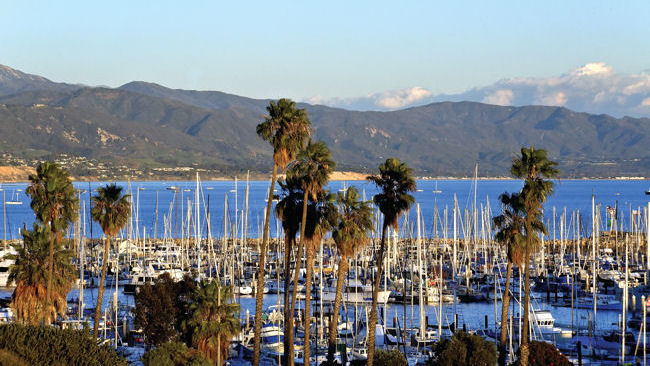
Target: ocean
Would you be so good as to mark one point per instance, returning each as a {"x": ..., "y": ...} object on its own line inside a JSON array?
[{"x": 572, "y": 195}]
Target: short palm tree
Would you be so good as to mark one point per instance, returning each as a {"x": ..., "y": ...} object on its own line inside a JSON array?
[
  {"x": 288, "y": 210},
  {"x": 54, "y": 203},
  {"x": 532, "y": 166},
  {"x": 312, "y": 168},
  {"x": 395, "y": 182},
  {"x": 350, "y": 234},
  {"x": 213, "y": 320},
  {"x": 285, "y": 128},
  {"x": 30, "y": 301},
  {"x": 111, "y": 209},
  {"x": 510, "y": 226}
]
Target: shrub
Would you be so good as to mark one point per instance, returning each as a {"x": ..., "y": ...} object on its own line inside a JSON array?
[
  {"x": 8, "y": 358},
  {"x": 44, "y": 345},
  {"x": 161, "y": 307},
  {"x": 465, "y": 349},
  {"x": 389, "y": 358},
  {"x": 542, "y": 353},
  {"x": 173, "y": 354}
]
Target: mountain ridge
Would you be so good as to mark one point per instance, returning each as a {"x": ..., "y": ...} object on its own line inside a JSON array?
[{"x": 147, "y": 126}]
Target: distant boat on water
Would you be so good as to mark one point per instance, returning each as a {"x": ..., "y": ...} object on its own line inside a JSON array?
[
  {"x": 437, "y": 190},
  {"x": 14, "y": 199},
  {"x": 647, "y": 192}
]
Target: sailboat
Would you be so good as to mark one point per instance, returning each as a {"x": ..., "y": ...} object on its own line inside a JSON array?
[
  {"x": 14, "y": 199},
  {"x": 437, "y": 191}
]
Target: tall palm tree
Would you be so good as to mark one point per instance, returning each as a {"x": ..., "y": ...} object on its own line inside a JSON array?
[
  {"x": 312, "y": 167},
  {"x": 30, "y": 301},
  {"x": 285, "y": 128},
  {"x": 395, "y": 181},
  {"x": 111, "y": 209},
  {"x": 288, "y": 210},
  {"x": 54, "y": 203},
  {"x": 350, "y": 234},
  {"x": 213, "y": 320},
  {"x": 510, "y": 226},
  {"x": 532, "y": 166}
]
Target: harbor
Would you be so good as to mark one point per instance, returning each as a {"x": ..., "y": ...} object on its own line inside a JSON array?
[{"x": 444, "y": 270}]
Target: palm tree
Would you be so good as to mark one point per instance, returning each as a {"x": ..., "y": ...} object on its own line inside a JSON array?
[
  {"x": 350, "y": 234},
  {"x": 511, "y": 227},
  {"x": 312, "y": 167},
  {"x": 29, "y": 300},
  {"x": 54, "y": 203},
  {"x": 394, "y": 182},
  {"x": 286, "y": 129},
  {"x": 111, "y": 209},
  {"x": 533, "y": 166},
  {"x": 213, "y": 320},
  {"x": 288, "y": 210}
]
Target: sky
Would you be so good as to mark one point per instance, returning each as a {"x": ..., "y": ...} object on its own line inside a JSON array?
[{"x": 358, "y": 54}]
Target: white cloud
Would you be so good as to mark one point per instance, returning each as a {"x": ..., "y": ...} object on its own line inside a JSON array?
[
  {"x": 500, "y": 97},
  {"x": 401, "y": 98},
  {"x": 554, "y": 99},
  {"x": 387, "y": 100},
  {"x": 594, "y": 88},
  {"x": 593, "y": 69}
]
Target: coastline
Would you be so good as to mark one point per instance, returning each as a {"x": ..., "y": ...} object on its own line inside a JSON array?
[{"x": 20, "y": 174}]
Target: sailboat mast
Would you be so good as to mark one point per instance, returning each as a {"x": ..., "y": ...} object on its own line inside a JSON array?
[{"x": 197, "y": 230}]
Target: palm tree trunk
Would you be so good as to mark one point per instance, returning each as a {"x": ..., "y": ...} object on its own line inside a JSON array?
[
  {"x": 259, "y": 294},
  {"x": 294, "y": 294},
  {"x": 307, "y": 320},
  {"x": 100, "y": 291},
  {"x": 375, "y": 290},
  {"x": 504, "y": 317},
  {"x": 50, "y": 270},
  {"x": 524, "y": 333},
  {"x": 340, "y": 278},
  {"x": 287, "y": 280}
]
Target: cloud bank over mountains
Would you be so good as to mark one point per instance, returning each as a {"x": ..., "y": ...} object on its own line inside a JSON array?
[{"x": 593, "y": 88}]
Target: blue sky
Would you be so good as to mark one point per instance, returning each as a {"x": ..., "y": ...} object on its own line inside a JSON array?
[{"x": 328, "y": 49}]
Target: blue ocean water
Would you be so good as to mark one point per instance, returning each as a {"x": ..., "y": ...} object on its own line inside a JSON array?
[{"x": 570, "y": 194}]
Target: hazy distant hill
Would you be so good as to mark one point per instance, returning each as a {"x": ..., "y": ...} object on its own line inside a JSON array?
[
  {"x": 14, "y": 81},
  {"x": 144, "y": 124}
]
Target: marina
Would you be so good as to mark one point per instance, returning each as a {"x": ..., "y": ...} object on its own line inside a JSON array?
[{"x": 444, "y": 272}]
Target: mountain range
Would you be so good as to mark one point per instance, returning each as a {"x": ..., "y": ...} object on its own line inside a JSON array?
[{"x": 147, "y": 126}]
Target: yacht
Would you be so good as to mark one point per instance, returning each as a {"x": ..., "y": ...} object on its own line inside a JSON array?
[{"x": 354, "y": 292}]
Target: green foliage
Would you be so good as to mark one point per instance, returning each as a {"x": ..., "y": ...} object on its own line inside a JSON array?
[
  {"x": 542, "y": 354},
  {"x": 389, "y": 358},
  {"x": 354, "y": 222},
  {"x": 510, "y": 226},
  {"x": 313, "y": 167},
  {"x": 465, "y": 349},
  {"x": 213, "y": 319},
  {"x": 155, "y": 312},
  {"x": 285, "y": 128},
  {"x": 394, "y": 182},
  {"x": 30, "y": 273},
  {"x": 173, "y": 354},
  {"x": 161, "y": 307},
  {"x": 8, "y": 358},
  {"x": 111, "y": 209},
  {"x": 38, "y": 345},
  {"x": 289, "y": 208},
  {"x": 53, "y": 197}
]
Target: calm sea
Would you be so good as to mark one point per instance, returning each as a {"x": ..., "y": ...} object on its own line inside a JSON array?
[{"x": 154, "y": 203}]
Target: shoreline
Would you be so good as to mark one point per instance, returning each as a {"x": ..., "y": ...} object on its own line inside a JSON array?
[{"x": 19, "y": 174}]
